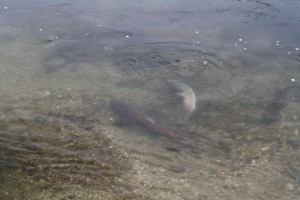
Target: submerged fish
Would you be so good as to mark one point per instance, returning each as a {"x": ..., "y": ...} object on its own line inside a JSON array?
[
  {"x": 131, "y": 114},
  {"x": 187, "y": 94}
]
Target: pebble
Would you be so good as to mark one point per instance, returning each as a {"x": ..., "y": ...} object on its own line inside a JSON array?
[
  {"x": 266, "y": 148},
  {"x": 177, "y": 169},
  {"x": 290, "y": 186}
]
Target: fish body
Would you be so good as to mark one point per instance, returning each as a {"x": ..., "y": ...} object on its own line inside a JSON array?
[
  {"x": 187, "y": 94},
  {"x": 135, "y": 116}
]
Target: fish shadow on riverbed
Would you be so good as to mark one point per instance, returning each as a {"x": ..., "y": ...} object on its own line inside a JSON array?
[{"x": 279, "y": 101}]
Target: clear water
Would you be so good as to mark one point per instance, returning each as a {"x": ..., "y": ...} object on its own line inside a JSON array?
[{"x": 63, "y": 61}]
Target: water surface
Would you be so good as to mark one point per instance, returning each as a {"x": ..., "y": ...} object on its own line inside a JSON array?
[{"x": 63, "y": 61}]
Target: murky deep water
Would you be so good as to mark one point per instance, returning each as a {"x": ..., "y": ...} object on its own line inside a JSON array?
[{"x": 63, "y": 61}]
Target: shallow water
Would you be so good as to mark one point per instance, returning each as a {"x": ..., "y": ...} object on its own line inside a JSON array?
[{"x": 63, "y": 61}]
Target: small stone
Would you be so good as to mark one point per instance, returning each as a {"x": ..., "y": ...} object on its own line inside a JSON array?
[
  {"x": 296, "y": 132},
  {"x": 177, "y": 169},
  {"x": 290, "y": 186},
  {"x": 265, "y": 148}
]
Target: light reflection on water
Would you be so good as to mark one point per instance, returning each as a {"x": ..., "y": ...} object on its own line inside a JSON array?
[{"x": 62, "y": 61}]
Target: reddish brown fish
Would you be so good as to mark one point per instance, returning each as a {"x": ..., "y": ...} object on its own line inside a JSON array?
[{"x": 131, "y": 114}]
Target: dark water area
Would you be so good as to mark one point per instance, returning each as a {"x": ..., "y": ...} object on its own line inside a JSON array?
[{"x": 63, "y": 62}]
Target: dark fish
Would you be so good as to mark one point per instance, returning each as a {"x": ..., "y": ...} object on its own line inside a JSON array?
[
  {"x": 279, "y": 101},
  {"x": 132, "y": 115}
]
